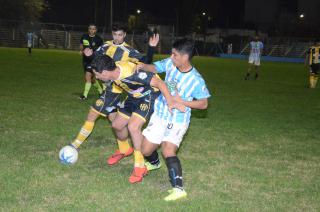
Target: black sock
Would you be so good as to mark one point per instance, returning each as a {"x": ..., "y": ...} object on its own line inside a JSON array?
[
  {"x": 175, "y": 171},
  {"x": 256, "y": 76},
  {"x": 153, "y": 158},
  {"x": 29, "y": 49}
]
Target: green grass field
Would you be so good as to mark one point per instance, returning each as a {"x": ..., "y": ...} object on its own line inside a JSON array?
[{"x": 256, "y": 148}]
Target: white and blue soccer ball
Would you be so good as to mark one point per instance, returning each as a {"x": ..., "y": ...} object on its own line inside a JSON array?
[{"x": 68, "y": 155}]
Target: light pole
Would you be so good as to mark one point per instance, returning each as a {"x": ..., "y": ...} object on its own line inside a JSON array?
[{"x": 111, "y": 14}]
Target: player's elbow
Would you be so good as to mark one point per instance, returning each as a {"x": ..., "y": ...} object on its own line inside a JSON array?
[{"x": 204, "y": 104}]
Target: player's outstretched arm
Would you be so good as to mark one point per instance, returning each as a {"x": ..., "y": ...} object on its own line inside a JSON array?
[
  {"x": 158, "y": 83},
  {"x": 146, "y": 67}
]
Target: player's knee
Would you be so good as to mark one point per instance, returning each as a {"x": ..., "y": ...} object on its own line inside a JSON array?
[
  {"x": 92, "y": 116},
  {"x": 134, "y": 127},
  {"x": 168, "y": 153},
  {"x": 116, "y": 125}
]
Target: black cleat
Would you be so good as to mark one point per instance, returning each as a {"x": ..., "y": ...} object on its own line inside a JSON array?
[{"x": 82, "y": 97}]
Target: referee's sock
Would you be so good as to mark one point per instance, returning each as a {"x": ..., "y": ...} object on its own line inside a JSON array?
[
  {"x": 97, "y": 85},
  {"x": 87, "y": 88}
]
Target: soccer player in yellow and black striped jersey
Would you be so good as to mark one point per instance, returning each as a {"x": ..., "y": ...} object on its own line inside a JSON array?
[
  {"x": 313, "y": 60},
  {"x": 107, "y": 104},
  {"x": 142, "y": 89}
]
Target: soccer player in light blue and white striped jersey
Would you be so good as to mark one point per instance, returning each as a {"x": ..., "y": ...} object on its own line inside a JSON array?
[
  {"x": 167, "y": 128},
  {"x": 256, "y": 49}
]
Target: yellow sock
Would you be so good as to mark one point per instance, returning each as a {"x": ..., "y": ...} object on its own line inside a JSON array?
[
  {"x": 84, "y": 133},
  {"x": 315, "y": 80},
  {"x": 138, "y": 159},
  {"x": 124, "y": 146},
  {"x": 311, "y": 81}
]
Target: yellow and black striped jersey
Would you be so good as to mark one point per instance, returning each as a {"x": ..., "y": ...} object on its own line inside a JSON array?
[
  {"x": 136, "y": 84},
  {"x": 121, "y": 52},
  {"x": 314, "y": 55}
]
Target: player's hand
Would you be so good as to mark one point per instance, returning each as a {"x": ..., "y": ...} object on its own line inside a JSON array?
[
  {"x": 139, "y": 67},
  {"x": 174, "y": 104},
  {"x": 87, "y": 52},
  {"x": 154, "y": 40},
  {"x": 80, "y": 52},
  {"x": 179, "y": 106}
]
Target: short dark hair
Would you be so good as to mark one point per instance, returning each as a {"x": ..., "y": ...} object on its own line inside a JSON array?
[
  {"x": 119, "y": 27},
  {"x": 103, "y": 62},
  {"x": 92, "y": 25},
  {"x": 185, "y": 46}
]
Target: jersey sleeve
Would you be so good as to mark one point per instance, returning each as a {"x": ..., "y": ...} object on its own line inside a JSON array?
[
  {"x": 162, "y": 65},
  {"x": 81, "y": 39},
  {"x": 101, "y": 49},
  {"x": 135, "y": 54},
  {"x": 201, "y": 91}
]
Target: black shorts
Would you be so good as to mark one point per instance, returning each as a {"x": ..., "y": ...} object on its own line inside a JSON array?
[
  {"x": 141, "y": 107},
  {"x": 314, "y": 68},
  {"x": 107, "y": 103},
  {"x": 87, "y": 65}
]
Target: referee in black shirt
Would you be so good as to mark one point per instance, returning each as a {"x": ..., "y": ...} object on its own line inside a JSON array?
[{"x": 93, "y": 41}]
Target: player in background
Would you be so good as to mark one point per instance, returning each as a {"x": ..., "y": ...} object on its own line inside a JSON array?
[
  {"x": 313, "y": 60},
  {"x": 167, "y": 129},
  {"x": 142, "y": 89},
  {"x": 256, "y": 50},
  {"x": 29, "y": 42},
  {"x": 91, "y": 41},
  {"x": 106, "y": 105}
]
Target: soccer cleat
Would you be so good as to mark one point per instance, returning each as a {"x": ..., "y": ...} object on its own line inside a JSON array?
[
  {"x": 151, "y": 167},
  {"x": 175, "y": 194},
  {"x": 82, "y": 97},
  {"x": 137, "y": 174},
  {"x": 117, "y": 156}
]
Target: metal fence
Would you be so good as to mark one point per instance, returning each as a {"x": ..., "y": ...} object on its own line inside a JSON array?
[{"x": 60, "y": 36}]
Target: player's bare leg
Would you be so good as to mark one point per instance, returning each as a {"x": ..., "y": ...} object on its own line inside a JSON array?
[
  {"x": 134, "y": 126},
  {"x": 119, "y": 125},
  {"x": 96, "y": 84},
  {"x": 257, "y": 72},
  {"x": 248, "y": 72},
  {"x": 149, "y": 151}
]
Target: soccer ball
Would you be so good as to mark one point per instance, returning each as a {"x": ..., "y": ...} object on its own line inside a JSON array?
[{"x": 68, "y": 155}]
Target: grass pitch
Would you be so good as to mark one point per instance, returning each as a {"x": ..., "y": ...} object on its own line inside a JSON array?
[{"x": 257, "y": 147}]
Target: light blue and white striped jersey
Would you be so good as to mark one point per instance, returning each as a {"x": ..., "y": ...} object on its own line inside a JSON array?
[
  {"x": 190, "y": 85},
  {"x": 255, "y": 48}
]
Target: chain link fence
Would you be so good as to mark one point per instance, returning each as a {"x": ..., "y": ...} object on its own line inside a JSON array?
[{"x": 61, "y": 36}]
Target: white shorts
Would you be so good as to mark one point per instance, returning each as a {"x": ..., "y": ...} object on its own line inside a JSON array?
[
  {"x": 159, "y": 131},
  {"x": 29, "y": 44},
  {"x": 254, "y": 60}
]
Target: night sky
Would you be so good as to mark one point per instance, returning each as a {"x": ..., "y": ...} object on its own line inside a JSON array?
[
  {"x": 82, "y": 12},
  {"x": 222, "y": 13}
]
